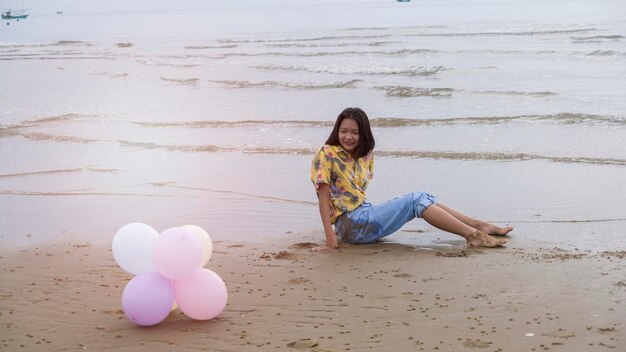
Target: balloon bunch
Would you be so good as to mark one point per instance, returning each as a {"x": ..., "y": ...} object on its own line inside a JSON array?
[{"x": 169, "y": 269}]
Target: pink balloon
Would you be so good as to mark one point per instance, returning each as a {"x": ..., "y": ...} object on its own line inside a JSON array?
[
  {"x": 148, "y": 298},
  {"x": 176, "y": 253},
  {"x": 201, "y": 295}
]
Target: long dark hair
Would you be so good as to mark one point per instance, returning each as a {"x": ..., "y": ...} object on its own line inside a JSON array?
[{"x": 366, "y": 138}]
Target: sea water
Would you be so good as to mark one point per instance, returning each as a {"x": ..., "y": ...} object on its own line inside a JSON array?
[{"x": 209, "y": 113}]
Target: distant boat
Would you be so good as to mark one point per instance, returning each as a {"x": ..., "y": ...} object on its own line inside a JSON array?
[
  {"x": 59, "y": 12},
  {"x": 403, "y": 0},
  {"x": 8, "y": 15}
]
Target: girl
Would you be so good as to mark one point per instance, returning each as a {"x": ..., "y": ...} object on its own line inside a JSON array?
[{"x": 341, "y": 171}]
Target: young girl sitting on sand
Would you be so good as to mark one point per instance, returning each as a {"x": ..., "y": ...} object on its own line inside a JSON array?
[{"x": 341, "y": 171}]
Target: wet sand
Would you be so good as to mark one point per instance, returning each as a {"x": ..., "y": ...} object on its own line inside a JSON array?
[{"x": 386, "y": 296}]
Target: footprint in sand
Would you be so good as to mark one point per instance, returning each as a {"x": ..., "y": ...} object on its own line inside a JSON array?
[
  {"x": 284, "y": 255},
  {"x": 303, "y": 344},
  {"x": 280, "y": 255},
  {"x": 299, "y": 281},
  {"x": 460, "y": 254},
  {"x": 403, "y": 275},
  {"x": 469, "y": 343},
  {"x": 562, "y": 334},
  {"x": 303, "y": 245}
]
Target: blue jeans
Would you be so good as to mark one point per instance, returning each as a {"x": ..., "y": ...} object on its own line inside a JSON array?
[{"x": 368, "y": 223}]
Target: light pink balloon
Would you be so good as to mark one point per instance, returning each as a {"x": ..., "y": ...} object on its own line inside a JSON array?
[
  {"x": 201, "y": 295},
  {"x": 176, "y": 253}
]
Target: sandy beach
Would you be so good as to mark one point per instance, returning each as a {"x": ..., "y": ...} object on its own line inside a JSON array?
[
  {"x": 209, "y": 113},
  {"x": 385, "y": 296}
]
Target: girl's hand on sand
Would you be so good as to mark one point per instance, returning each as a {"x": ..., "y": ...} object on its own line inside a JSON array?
[{"x": 325, "y": 246}]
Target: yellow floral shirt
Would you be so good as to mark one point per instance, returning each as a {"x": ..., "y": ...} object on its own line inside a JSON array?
[{"x": 346, "y": 177}]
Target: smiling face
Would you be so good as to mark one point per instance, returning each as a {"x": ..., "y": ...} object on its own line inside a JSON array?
[{"x": 349, "y": 135}]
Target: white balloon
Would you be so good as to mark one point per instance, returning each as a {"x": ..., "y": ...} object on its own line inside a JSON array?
[
  {"x": 132, "y": 247},
  {"x": 205, "y": 242}
]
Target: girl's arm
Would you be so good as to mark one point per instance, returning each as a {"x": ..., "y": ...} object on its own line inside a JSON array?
[{"x": 323, "y": 194}]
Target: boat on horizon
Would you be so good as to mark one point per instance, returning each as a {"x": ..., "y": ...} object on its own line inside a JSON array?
[
  {"x": 9, "y": 15},
  {"x": 403, "y": 0}
]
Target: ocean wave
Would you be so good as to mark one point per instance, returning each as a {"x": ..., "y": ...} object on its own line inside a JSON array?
[
  {"x": 289, "y": 85},
  {"x": 8, "y": 132},
  {"x": 555, "y": 53},
  {"x": 414, "y": 154},
  {"x": 330, "y": 45},
  {"x": 495, "y": 156},
  {"x": 502, "y": 33},
  {"x": 391, "y": 122},
  {"x": 59, "y": 118},
  {"x": 399, "y": 71},
  {"x": 604, "y": 53},
  {"x": 229, "y": 46},
  {"x": 305, "y": 39},
  {"x": 411, "y": 92},
  {"x": 17, "y": 129},
  {"x": 150, "y": 62},
  {"x": 43, "y": 53},
  {"x": 560, "y": 118},
  {"x": 44, "y": 120},
  {"x": 109, "y": 74},
  {"x": 37, "y": 45},
  {"x": 405, "y": 52},
  {"x": 182, "y": 81},
  {"x": 47, "y": 172},
  {"x": 209, "y": 148},
  {"x": 568, "y": 118},
  {"x": 514, "y": 52},
  {"x": 24, "y": 57},
  {"x": 517, "y": 93},
  {"x": 395, "y": 29},
  {"x": 420, "y": 34},
  {"x": 399, "y": 52},
  {"x": 234, "y": 124},
  {"x": 366, "y": 29},
  {"x": 21, "y": 45},
  {"x": 177, "y": 148},
  {"x": 102, "y": 170},
  {"x": 36, "y": 136},
  {"x": 598, "y": 38},
  {"x": 71, "y": 42},
  {"x": 72, "y": 193},
  {"x": 446, "y": 155}
]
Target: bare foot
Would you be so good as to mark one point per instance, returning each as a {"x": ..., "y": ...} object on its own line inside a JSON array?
[
  {"x": 481, "y": 239},
  {"x": 493, "y": 229}
]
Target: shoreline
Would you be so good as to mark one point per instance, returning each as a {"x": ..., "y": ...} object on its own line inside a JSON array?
[{"x": 66, "y": 296}]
